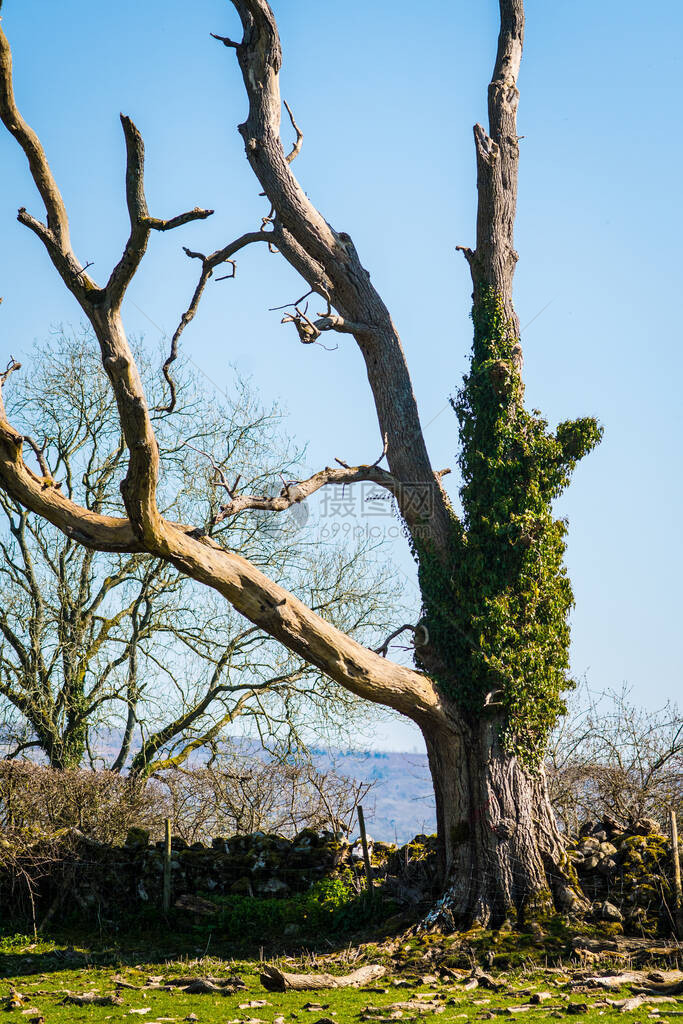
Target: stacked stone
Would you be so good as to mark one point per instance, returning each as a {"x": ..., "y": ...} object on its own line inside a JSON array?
[
  {"x": 627, "y": 872},
  {"x": 252, "y": 865}
]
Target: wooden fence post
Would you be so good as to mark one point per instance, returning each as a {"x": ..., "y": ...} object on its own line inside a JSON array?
[
  {"x": 366, "y": 852},
  {"x": 166, "y": 904},
  {"x": 678, "y": 894}
]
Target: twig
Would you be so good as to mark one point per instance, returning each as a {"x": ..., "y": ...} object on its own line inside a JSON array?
[
  {"x": 383, "y": 648},
  {"x": 209, "y": 264},
  {"x": 306, "y": 329},
  {"x": 225, "y": 41},
  {"x": 219, "y": 475},
  {"x": 288, "y": 305},
  {"x": 12, "y": 367},
  {"x": 40, "y": 455},
  {"x": 376, "y": 463},
  {"x": 85, "y": 267},
  {"x": 296, "y": 148}
]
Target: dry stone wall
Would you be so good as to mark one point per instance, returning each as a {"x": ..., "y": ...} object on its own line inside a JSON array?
[{"x": 626, "y": 873}]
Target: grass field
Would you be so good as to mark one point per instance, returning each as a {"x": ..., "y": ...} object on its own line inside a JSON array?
[{"x": 41, "y": 980}]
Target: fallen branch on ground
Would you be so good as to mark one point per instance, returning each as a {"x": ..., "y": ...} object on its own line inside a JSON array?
[
  {"x": 197, "y": 986},
  {"x": 91, "y": 999},
  {"x": 275, "y": 980}
]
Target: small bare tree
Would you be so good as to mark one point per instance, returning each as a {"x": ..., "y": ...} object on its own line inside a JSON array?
[
  {"x": 37, "y": 802},
  {"x": 112, "y": 659},
  {"x": 239, "y": 793},
  {"x": 611, "y": 757}
]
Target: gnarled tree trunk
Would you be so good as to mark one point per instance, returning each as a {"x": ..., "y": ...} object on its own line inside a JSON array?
[{"x": 502, "y": 855}]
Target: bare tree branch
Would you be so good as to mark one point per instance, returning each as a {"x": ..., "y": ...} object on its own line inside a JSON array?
[
  {"x": 258, "y": 598},
  {"x": 40, "y": 457},
  {"x": 297, "y": 491},
  {"x": 39, "y": 452},
  {"x": 328, "y": 261},
  {"x": 141, "y": 224},
  {"x": 57, "y": 221},
  {"x": 383, "y": 648},
  {"x": 332, "y": 322},
  {"x": 296, "y": 148},
  {"x": 225, "y": 40},
  {"x": 209, "y": 264}
]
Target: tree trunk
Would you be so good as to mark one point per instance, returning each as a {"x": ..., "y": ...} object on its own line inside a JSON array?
[{"x": 502, "y": 855}]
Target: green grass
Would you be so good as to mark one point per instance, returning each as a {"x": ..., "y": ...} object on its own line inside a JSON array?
[{"x": 43, "y": 972}]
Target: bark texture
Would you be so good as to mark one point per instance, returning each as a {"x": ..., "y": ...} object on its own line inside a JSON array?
[
  {"x": 503, "y": 857},
  {"x": 493, "y": 261},
  {"x": 503, "y": 854}
]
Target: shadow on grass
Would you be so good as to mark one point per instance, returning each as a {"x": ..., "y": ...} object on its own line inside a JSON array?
[{"x": 152, "y": 937}]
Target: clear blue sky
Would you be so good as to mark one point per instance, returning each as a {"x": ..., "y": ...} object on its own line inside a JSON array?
[{"x": 386, "y": 93}]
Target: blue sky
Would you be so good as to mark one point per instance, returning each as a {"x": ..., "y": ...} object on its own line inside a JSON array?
[{"x": 386, "y": 97}]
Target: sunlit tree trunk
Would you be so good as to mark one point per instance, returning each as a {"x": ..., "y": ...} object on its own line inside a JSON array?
[{"x": 502, "y": 856}]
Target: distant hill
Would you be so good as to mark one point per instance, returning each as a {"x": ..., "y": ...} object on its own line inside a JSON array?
[
  {"x": 401, "y": 804},
  {"x": 402, "y": 795}
]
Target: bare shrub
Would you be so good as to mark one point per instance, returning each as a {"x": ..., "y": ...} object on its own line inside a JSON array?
[
  {"x": 612, "y": 758},
  {"x": 57, "y": 826},
  {"x": 241, "y": 794},
  {"x": 236, "y": 794},
  {"x": 37, "y": 801}
]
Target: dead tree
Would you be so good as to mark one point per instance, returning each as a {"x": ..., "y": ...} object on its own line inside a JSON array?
[{"x": 491, "y": 650}]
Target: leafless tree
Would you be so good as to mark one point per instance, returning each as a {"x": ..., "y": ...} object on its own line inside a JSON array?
[
  {"x": 611, "y": 757},
  {"x": 499, "y": 840},
  {"x": 91, "y": 641}
]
